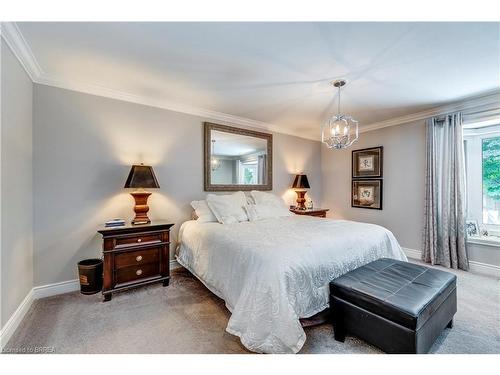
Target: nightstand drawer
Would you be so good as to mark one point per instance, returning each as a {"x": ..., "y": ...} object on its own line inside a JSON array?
[
  {"x": 133, "y": 273},
  {"x": 135, "y": 258},
  {"x": 138, "y": 239},
  {"x": 135, "y": 255}
]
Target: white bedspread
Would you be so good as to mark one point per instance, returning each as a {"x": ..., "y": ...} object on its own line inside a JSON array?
[{"x": 272, "y": 272}]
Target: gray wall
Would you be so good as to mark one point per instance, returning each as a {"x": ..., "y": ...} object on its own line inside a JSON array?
[
  {"x": 83, "y": 148},
  {"x": 226, "y": 173},
  {"x": 404, "y": 183},
  {"x": 403, "y": 186},
  {"x": 16, "y": 184}
]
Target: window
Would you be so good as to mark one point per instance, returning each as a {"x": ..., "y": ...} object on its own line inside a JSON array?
[
  {"x": 491, "y": 180},
  {"x": 482, "y": 154},
  {"x": 248, "y": 173}
]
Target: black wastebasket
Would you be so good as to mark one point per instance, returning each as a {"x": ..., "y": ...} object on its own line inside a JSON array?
[{"x": 90, "y": 274}]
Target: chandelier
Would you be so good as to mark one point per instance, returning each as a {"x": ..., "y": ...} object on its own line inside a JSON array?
[
  {"x": 340, "y": 131},
  {"x": 214, "y": 162}
]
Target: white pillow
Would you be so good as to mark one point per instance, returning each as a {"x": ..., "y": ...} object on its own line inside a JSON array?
[
  {"x": 259, "y": 211},
  {"x": 268, "y": 205},
  {"x": 204, "y": 213},
  {"x": 267, "y": 199},
  {"x": 228, "y": 209}
]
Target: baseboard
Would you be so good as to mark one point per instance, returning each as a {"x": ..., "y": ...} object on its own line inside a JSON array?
[
  {"x": 70, "y": 286},
  {"x": 484, "y": 269},
  {"x": 50, "y": 290},
  {"x": 474, "y": 266},
  {"x": 43, "y": 291},
  {"x": 412, "y": 253},
  {"x": 15, "y": 320},
  {"x": 174, "y": 264}
]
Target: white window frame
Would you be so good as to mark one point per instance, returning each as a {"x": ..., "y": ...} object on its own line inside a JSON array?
[{"x": 474, "y": 139}]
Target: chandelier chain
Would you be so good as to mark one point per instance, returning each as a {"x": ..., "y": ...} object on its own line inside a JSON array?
[{"x": 338, "y": 104}]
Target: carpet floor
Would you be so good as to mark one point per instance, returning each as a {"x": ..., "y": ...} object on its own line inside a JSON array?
[{"x": 187, "y": 318}]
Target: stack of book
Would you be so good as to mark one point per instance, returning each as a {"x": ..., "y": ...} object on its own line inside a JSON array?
[{"x": 115, "y": 223}]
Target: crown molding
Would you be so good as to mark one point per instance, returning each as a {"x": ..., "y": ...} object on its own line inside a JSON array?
[
  {"x": 220, "y": 117},
  {"x": 21, "y": 49},
  {"x": 486, "y": 100}
]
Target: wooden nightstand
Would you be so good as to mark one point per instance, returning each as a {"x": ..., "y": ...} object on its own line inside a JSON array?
[
  {"x": 135, "y": 255},
  {"x": 318, "y": 212}
]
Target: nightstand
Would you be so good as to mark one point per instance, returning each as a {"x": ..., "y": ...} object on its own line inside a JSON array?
[
  {"x": 135, "y": 255},
  {"x": 318, "y": 212}
]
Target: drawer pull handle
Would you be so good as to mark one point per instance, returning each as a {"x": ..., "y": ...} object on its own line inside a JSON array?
[
  {"x": 138, "y": 258},
  {"x": 138, "y": 272},
  {"x": 139, "y": 240}
]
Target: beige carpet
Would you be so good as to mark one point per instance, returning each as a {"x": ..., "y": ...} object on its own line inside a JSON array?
[{"x": 186, "y": 318}]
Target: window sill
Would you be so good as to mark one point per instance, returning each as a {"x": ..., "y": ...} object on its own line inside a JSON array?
[{"x": 484, "y": 241}]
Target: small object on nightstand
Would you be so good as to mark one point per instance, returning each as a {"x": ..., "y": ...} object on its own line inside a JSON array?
[
  {"x": 318, "y": 212},
  {"x": 141, "y": 177},
  {"x": 114, "y": 223},
  {"x": 135, "y": 255},
  {"x": 309, "y": 204},
  {"x": 300, "y": 184}
]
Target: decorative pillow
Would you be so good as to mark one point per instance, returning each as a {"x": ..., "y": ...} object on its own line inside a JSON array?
[
  {"x": 267, "y": 199},
  {"x": 230, "y": 208},
  {"x": 259, "y": 212},
  {"x": 269, "y": 205},
  {"x": 203, "y": 212}
]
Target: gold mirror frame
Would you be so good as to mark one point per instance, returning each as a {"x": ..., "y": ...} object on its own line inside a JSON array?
[{"x": 208, "y": 186}]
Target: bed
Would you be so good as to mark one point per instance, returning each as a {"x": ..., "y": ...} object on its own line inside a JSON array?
[{"x": 272, "y": 272}]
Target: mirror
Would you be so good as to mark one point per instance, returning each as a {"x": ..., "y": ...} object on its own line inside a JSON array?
[{"x": 237, "y": 159}]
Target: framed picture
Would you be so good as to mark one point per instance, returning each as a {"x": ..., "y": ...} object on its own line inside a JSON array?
[
  {"x": 367, "y": 194},
  {"x": 471, "y": 228},
  {"x": 367, "y": 163}
]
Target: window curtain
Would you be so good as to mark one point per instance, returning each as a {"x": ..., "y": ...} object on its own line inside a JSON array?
[
  {"x": 261, "y": 168},
  {"x": 444, "y": 226}
]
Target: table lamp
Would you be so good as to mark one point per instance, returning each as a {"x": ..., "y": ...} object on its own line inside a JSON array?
[
  {"x": 141, "y": 177},
  {"x": 300, "y": 184}
]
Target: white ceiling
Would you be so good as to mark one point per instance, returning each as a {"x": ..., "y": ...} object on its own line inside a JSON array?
[
  {"x": 277, "y": 73},
  {"x": 228, "y": 144}
]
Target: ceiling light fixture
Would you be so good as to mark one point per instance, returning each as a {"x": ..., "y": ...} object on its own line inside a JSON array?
[{"x": 340, "y": 131}]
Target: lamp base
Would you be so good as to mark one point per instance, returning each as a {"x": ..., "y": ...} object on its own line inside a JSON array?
[
  {"x": 141, "y": 207},
  {"x": 301, "y": 200}
]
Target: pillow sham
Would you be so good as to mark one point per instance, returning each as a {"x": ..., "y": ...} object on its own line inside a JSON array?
[
  {"x": 267, "y": 199},
  {"x": 268, "y": 205},
  {"x": 204, "y": 213},
  {"x": 258, "y": 212},
  {"x": 229, "y": 208}
]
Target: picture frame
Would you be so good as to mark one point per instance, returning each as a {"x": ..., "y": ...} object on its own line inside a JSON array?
[
  {"x": 368, "y": 162},
  {"x": 367, "y": 194},
  {"x": 471, "y": 228}
]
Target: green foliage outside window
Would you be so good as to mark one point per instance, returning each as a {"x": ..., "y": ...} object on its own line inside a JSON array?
[
  {"x": 491, "y": 167},
  {"x": 248, "y": 176}
]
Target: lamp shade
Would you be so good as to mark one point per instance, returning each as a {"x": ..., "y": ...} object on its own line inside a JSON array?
[
  {"x": 300, "y": 182},
  {"x": 142, "y": 176}
]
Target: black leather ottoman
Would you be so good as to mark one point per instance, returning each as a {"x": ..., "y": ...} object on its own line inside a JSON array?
[{"x": 397, "y": 306}]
